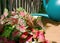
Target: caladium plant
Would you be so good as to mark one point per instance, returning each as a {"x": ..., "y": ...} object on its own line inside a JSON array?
[
  {"x": 7, "y": 30},
  {"x": 21, "y": 27}
]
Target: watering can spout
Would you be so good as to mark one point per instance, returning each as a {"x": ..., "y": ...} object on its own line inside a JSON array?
[{"x": 40, "y": 14}]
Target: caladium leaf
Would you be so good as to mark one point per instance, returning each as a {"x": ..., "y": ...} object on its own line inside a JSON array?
[
  {"x": 20, "y": 9},
  {"x": 29, "y": 38},
  {"x": 15, "y": 33},
  {"x": 5, "y": 12},
  {"x": 8, "y": 30},
  {"x": 1, "y": 27},
  {"x": 24, "y": 35}
]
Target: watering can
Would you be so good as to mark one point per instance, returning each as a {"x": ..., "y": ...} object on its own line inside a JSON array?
[{"x": 52, "y": 8}]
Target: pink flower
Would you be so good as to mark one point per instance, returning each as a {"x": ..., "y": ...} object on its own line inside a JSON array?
[
  {"x": 22, "y": 28},
  {"x": 22, "y": 13}
]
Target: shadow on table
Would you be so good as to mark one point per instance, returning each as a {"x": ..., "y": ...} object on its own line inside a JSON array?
[{"x": 46, "y": 20}]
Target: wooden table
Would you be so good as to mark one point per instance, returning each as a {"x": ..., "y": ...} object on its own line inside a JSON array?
[{"x": 52, "y": 30}]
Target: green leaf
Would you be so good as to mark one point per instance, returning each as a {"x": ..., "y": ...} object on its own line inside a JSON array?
[
  {"x": 20, "y": 9},
  {"x": 5, "y": 10},
  {"x": 7, "y": 30},
  {"x": 38, "y": 28}
]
